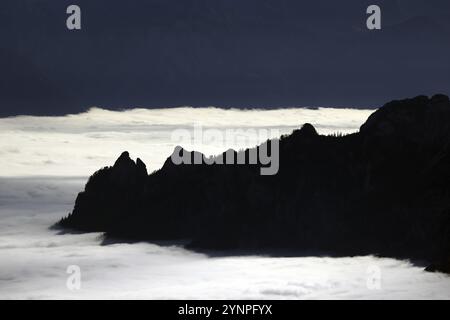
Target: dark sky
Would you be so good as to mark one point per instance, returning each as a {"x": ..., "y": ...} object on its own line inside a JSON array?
[{"x": 230, "y": 53}]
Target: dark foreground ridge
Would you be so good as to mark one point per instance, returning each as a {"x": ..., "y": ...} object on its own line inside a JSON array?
[{"x": 384, "y": 190}]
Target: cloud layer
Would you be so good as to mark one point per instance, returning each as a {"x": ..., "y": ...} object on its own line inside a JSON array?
[
  {"x": 34, "y": 261},
  {"x": 78, "y": 145}
]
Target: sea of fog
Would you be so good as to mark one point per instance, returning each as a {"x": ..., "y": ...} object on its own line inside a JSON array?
[
  {"x": 78, "y": 145},
  {"x": 45, "y": 162}
]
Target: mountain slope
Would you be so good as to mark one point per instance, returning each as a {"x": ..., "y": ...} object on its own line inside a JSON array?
[{"x": 384, "y": 190}]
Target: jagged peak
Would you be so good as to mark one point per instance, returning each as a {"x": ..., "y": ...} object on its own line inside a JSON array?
[
  {"x": 139, "y": 162},
  {"x": 124, "y": 158},
  {"x": 140, "y": 165},
  {"x": 126, "y": 168}
]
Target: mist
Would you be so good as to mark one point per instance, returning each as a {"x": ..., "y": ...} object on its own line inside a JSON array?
[
  {"x": 45, "y": 162},
  {"x": 78, "y": 145}
]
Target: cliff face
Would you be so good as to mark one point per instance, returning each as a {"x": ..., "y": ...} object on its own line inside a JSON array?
[{"x": 384, "y": 190}]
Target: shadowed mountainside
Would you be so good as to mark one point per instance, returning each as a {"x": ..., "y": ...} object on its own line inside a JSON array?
[{"x": 384, "y": 190}]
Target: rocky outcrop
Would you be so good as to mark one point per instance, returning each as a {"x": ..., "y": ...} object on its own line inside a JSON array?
[
  {"x": 126, "y": 172},
  {"x": 109, "y": 195},
  {"x": 384, "y": 190}
]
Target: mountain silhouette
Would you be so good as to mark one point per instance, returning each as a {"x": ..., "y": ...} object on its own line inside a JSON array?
[{"x": 384, "y": 190}]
